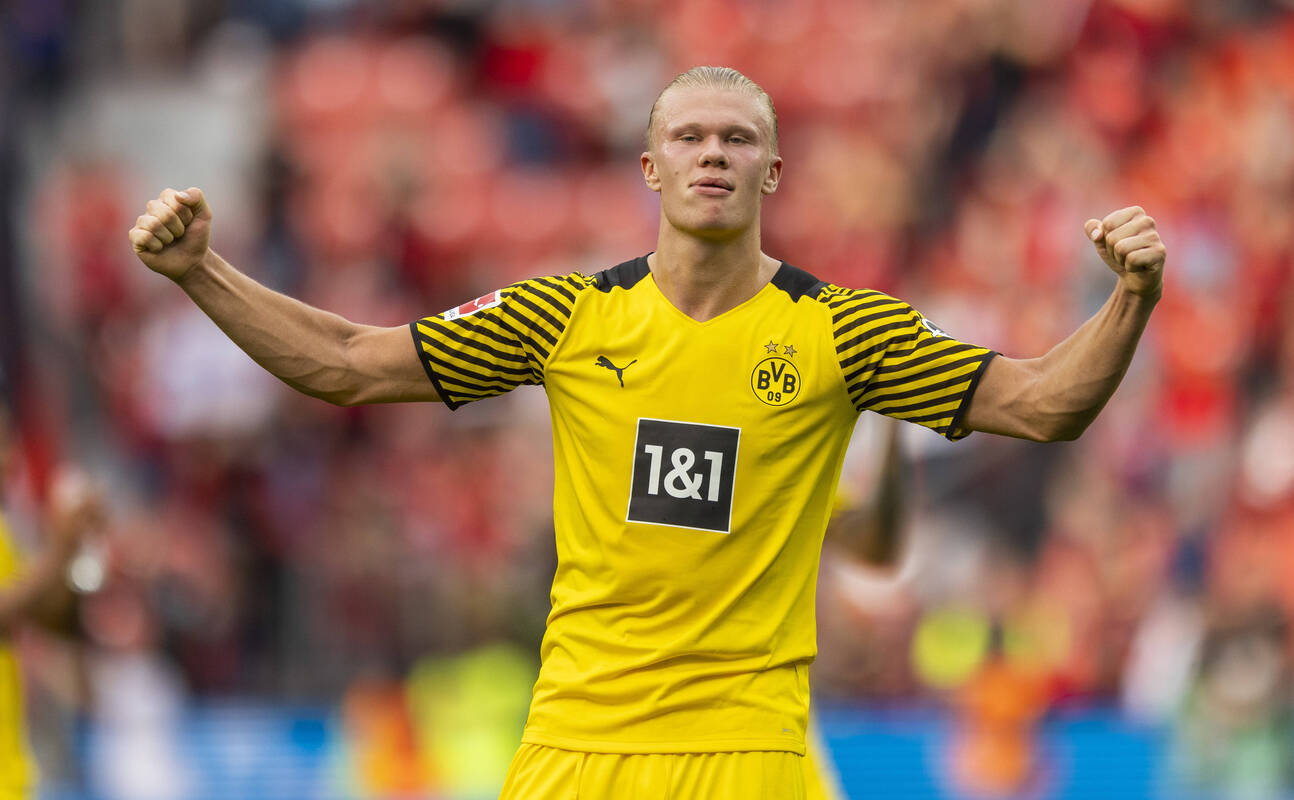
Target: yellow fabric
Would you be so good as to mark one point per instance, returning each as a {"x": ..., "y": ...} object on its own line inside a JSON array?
[
  {"x": 696, "y": 465},
  {"x": 548, "y": 773},
  {"x": 17, "y": 774},
  {"x": 821, "y": 782}
]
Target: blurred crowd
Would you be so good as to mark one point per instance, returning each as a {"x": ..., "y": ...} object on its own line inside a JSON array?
[{"x": 390, "y": 160}]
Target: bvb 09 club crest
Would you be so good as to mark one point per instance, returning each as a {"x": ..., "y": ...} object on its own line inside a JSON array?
[{"x": 775, "y": 381}]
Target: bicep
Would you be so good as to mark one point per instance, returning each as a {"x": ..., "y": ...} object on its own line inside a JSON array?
[
  {"x": 1002, "y": 401},
  {"x": 388, "y": 363}
]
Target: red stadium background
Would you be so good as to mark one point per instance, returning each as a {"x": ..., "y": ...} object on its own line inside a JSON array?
[{"x": 364, "y": 589}]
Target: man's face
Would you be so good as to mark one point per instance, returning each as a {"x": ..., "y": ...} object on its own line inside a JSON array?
[{"x": 710, "y": 160}]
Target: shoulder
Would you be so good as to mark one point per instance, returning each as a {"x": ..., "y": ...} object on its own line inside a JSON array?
[
  {"x": 567, "y": 287},
  {"x": 556, "y": 298},
  {"x": 871, "y": 310},
  {"x": 840, "y": 304},
  {"x": 550, "y": 299},
  {"x": 625, "y": 275},
  {"x": 797, "y": 283},
  {"x": 841, "y": 299}
]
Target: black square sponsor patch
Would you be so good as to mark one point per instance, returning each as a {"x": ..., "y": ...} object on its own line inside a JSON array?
[{"x": 683, "y": 474}]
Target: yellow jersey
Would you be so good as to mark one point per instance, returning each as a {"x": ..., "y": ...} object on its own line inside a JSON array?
[
  {"x": 16, "y": 773},
  {"x": 696, "y": 464}
]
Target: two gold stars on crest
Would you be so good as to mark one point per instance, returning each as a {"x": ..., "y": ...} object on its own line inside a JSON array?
[{"x": 772, "y": 348}]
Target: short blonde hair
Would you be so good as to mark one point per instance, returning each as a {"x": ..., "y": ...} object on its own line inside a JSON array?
[{"x": 717, "y": 78}]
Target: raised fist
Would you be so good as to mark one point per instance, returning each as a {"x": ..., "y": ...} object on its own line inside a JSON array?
[
  {"x": 172, "y": 234},
  {"x": 1129, "y": 244}
]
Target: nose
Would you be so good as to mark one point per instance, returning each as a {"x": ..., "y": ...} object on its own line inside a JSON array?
[{"x": 713, "y": 154}]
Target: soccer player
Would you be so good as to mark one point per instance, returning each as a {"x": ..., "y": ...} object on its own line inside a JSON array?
[
  {"x": 702, "y": 397},
  {"x": 32, "y": 591}
]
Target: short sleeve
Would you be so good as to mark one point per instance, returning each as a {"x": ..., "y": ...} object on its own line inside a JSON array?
[
  {"x": 896, "y": 363},
  {"x": 496, "y": 342}
]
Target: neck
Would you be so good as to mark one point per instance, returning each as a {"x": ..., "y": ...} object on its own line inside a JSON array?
[{"x": 704, "y": 278}]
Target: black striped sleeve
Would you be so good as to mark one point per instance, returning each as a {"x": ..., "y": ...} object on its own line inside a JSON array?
[
  {"x": 497, "y": 342},
  {"x": 898, "y": 364}
]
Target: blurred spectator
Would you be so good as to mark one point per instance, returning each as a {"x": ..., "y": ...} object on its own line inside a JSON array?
[
  {"x": 1234, "y": 734},
  {"x": 36, "y": 589},
  {"x": 400, "y": 158}
]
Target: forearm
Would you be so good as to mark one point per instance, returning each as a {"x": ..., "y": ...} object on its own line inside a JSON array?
[
  {"x": 1057, "y": 396},
  {"x": 887, "y": 508},
  {"x": 873, "y": 532},
  {"x": 1076, "y": 378},
  {"x": 36, "y": 586},
  {"x": 305, "y": 347}
]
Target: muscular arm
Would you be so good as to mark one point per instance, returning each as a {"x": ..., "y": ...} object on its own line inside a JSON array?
[
  {"x": 1057, "y": 396},
  {"x": 313, "y": 351}
]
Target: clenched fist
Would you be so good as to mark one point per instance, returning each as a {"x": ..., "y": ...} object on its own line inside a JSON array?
[
  {"x": 172, "y": 234},
  {"x": 1129, "y": 244}
]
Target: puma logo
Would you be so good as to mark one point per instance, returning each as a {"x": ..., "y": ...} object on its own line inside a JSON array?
[{"x": 603, "y": 361}]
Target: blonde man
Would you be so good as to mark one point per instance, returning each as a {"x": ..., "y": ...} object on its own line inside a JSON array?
[{"x": 702, "y": 396}]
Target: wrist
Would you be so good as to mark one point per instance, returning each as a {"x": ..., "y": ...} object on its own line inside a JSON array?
[
  {"x": 195, "y": 271},
  {"x": 1140, "y": 293}
]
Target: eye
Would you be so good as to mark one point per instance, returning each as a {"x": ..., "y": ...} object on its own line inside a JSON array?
[
  {"x": 737, "y": 139},
  {"x": 690, "y": 137}
]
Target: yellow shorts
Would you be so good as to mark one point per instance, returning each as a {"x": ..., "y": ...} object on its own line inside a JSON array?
[{"x": 546, "y": 773}]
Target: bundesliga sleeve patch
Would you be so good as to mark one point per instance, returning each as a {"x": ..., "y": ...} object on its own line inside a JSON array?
[
  {"x": 481, "y": 303},
  {"x": 934, "y": 330},
  {"x": 683, "y": 475}
]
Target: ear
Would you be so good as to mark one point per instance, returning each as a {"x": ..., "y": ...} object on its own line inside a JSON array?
[
  {"x": 773, "y": 177},
  {"x": 649, "y": 172}
]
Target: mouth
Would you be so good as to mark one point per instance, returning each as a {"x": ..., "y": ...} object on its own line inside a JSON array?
[{"x": 714, "y": 187}]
